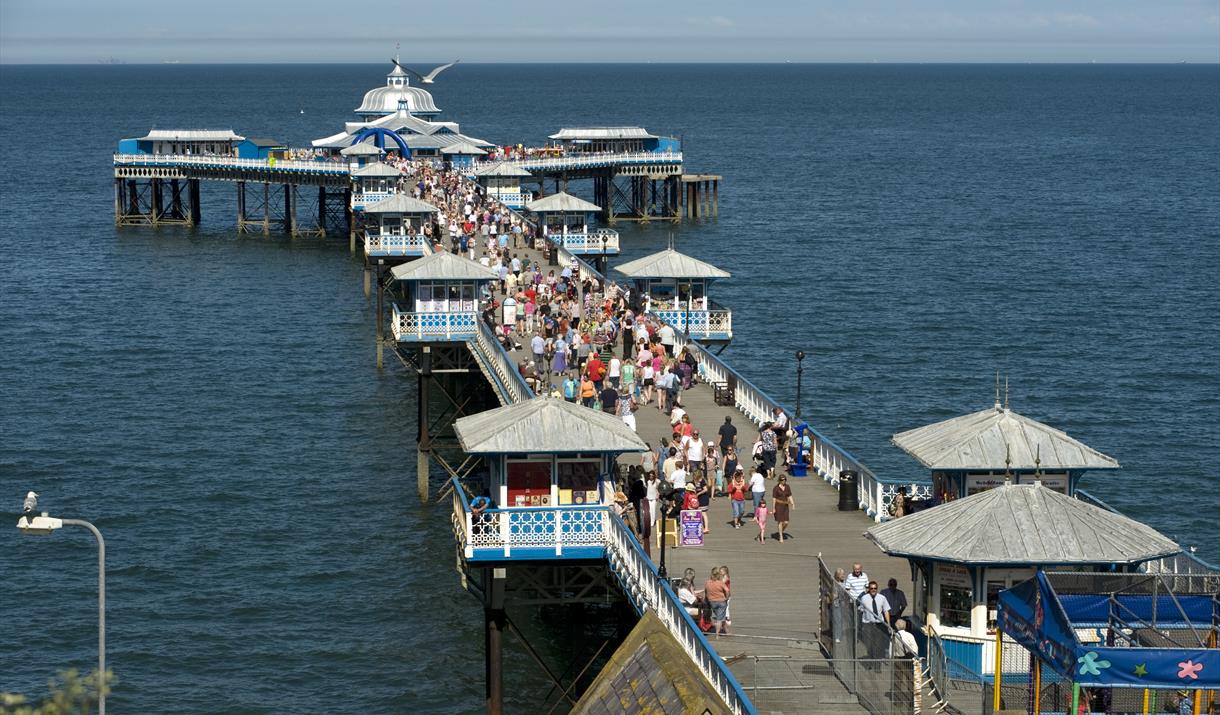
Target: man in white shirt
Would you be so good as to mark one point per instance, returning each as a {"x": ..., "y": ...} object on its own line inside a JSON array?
[
  {"x": 667, "y": 335},
  {"x": 758, "y": 487},
  {"x": 856, "y": 583},
  {"x": 616, "y": 368},
  {"x": 695, "y": 455},
  {"x": 874, "y": 624},
  {"x": 676, "y": 416},
  {"x": 678, "y": 479}
]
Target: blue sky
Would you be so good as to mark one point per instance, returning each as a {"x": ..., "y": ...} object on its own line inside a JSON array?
[{"x": 73, "y": 31}]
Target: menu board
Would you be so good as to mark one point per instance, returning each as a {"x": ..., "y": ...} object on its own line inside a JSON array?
[
  {"x": 529, "y": 483},
  {"x": 578, "y": 482}
]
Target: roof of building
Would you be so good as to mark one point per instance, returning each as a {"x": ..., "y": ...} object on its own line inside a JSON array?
[
  {"x": 1021, "y": 524},
  {"x": 401, "y": 204},
  {"x": 545, "y": 424},
  {"x": 264, "y": 142},
  {"x": 650, "y": 672},
  {"x": 376, "y": 169},
  {"x": 670, "y": 264},
  {"x": 984, "y": 439},
  {"x": 603, "y": 133},
  {"x": 463, "y": 148},
  {"x": 364, "y": 148},
  {"x": 562, "y": 202},
  {"x": 384, "y": 100},
  {"x": 500, "y": 168},
  {"x": 443, "y": 266},
  {"x": 192, "y": 135}
]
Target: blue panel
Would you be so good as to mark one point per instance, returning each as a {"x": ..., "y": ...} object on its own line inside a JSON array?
[
  {"x": 544, "y": 553},
  {"x": 129, "y": 146}
]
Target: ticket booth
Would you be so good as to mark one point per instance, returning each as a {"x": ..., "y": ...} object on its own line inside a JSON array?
[
  {"x": 565, "y": 220},
  {"x": 462, "y": 155},
  {"x": 437, "y": 298},
  {"x": 502, "y": 182},
  {"x": 395, "y": 227},
  {"x": 551, "y": 477},
  {"x": 676, "y": 288},
  {"x": 376, "y": 181},
  {"x": 980, "y": 451},
  {"x": 963, "y": 554},
  {"x": 362, "y": 154}
]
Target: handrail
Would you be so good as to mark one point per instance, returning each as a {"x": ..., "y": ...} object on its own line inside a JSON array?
[
  {"x": 580, "y": 160},
  {"x": 512, "y": 384},
  {"x": 226, "y": 162},
  {"x": 1186, "y": 562}
]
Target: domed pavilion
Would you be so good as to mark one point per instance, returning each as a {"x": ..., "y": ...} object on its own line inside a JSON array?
[{"x": 381, "y": 101}]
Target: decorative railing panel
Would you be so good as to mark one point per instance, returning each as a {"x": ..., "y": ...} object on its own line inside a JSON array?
[
  {"x": 512, "y": 199},
  {"x": 433, "y": 326},
  {"x": 589, "y": 243},
  {"x": 393, "y": 245},
  {"x": 232, "y": 162},
  {"x": 707, "y": 324},
  {"x": 368, "y": 198},
  {"x": 598, "y": 160}
]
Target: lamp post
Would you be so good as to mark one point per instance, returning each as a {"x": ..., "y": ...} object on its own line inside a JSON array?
[
  {"x": 665, "y": 492},
  {"x": 605, "y": 240},
  {"x": 800, "y": 356},
  {"x": 43, "y": 526}
]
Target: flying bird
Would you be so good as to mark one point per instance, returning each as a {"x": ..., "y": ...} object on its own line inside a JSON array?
[
  {"x": 429, "y": 78},
  {"x": 31, "y": 506}
]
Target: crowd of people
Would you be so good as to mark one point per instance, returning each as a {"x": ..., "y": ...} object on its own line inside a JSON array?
[{"x": 877, "y": 613}]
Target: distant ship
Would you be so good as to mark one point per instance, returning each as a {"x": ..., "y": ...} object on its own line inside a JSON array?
[{"x": 111, "y": 61}]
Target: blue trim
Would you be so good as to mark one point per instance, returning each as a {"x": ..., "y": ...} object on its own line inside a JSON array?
[{"x": 487, "y": 554}]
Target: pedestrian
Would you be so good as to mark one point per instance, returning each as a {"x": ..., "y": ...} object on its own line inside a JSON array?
[
  {"x": 737, "y": 497},
  {"x": 758, "y": 486},
  {"x": 856, "y": 583},
  {"x": 782, "y": 494},
  {"x": 712, "y": 466},
  {"x": 703, "y": 492},
  {"x": 874, "y": 623},
  {"x": 760, "y": 517},
  {"x": 896, "y": 598},
  {"x": 626, "y": 410},
  {"x": 716, "y": 593},
  {"x": 769, "y": 446},
  {"x": 728, "y": 434}
]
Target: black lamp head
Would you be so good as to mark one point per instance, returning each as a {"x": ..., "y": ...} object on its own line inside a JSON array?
[{"x": 800, "y": 354}]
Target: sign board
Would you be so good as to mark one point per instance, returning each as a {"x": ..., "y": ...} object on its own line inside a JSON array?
[
  {"x": 690, "y": 524},
  {"x": 954, "y": 576}
]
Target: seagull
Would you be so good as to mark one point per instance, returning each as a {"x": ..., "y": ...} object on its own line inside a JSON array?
[
  {"x": 429, "y": 78},
  {"x": 31, "y": 507}
]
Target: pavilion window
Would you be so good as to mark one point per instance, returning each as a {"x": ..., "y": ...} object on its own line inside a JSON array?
[
  {"x": 529, "y": 482},
  {"x": 955, "y": 605},
  {"x": 578, "y": 482}
]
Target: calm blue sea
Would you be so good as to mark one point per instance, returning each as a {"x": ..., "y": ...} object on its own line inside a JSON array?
[{"x": 211, "y": 403}]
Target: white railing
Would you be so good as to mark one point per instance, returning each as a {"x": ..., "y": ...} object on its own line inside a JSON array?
[
  {"x": 876, "y": 495},
  {"x": 511, "y": 199},
  {"x": 393, "y": 244},
  {"x": 460, "y": 325},
  {"x": 597, "y": 159},
  {"x": 647, "y": 591},
  {"x": 231, "y": 162},
  {"x": 494, "y": 533},
  {"x": 714, "y": 323},
  {"x": 589, "y": 243},
  {"x": 366, "y": 198},
  {"x": 507, "y": 377}
]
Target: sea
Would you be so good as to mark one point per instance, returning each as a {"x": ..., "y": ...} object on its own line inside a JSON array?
[{"x": 210, "y": 400}]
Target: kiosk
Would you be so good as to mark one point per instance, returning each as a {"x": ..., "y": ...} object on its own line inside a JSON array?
[
  {"x": 564, "y": 220},
  {"x": 376, "y": 181},
  {"x": 502, "y": 182},
  {"x": 399, "y": 227},
  {"x": 676, "y": 288},
  {"x": 438, "y": 298}
]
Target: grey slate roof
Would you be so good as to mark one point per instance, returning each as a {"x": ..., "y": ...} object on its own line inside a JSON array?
[
  {"x": 401, "y": 204},
  {"x": 670, "y": 264},
  {"x": 442, "y": 266},
  {"x": 562, "y": 202},
  {"x": 979, "y": 441},
  {"x": 377, "y": 169},
  {"x": 545, "y": 424},
  {"x": 500, "y": 168},
  {"x": 603, "y": 133},
  {"x": 192, "y": 135},
  {"x": 364, "y": 148},
  {"x": 1021, "y": 524},
  {"x": 463, "y": 148}
]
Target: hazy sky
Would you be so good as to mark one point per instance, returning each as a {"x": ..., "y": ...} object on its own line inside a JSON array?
[{"x": 625, "y": 30}]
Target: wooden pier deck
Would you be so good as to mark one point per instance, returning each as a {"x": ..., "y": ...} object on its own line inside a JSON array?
[{"x": 774, "y": 606}]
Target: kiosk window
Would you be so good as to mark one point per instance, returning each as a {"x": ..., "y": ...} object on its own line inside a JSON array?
[
  {"x": 529, "y": 484},
  {"x": 955, "y": 604},
  {"x": 578, "y": 483}
]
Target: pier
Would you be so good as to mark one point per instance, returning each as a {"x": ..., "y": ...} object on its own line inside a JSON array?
[{"x": 530, "y": 480}]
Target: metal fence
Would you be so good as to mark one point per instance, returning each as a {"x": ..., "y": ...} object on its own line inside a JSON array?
[{"x": 859, "y": 654}]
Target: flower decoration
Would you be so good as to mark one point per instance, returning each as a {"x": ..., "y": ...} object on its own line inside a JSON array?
[
  {"x": 1090, "y": 665},
  {"x": 1189, "y": 669}
]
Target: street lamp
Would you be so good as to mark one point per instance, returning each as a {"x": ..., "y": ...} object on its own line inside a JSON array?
[
  {"x": 43, "y": 525},
  {"x": 800, "y": 355},
  {"x": 665, "y": 494},
  {"x": 605, "y": 239}
]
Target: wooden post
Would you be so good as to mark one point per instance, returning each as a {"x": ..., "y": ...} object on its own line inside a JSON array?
[{"x": 716, "y": 197}]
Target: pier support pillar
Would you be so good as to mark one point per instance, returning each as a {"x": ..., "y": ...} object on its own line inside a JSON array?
[
  {"x": 368, "y": 282},
  {"x": 193, "y": 198},
  {"x": 423, "y": 436},
  {"x": 422, "y": 469},
  {"x": 495, "y": 622},
  {"x": 156, "y": 202},
  {"x": 290, "y": 211},
  {"x": 266, "y": 208},
  {"x": 322, "y": 210},
  {"x": 380, "y": 323}
]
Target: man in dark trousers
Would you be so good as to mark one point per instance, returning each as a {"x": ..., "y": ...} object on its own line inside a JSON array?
[
  {"x": 896, "y": 598},
  {"x": 728, "y": 434}
]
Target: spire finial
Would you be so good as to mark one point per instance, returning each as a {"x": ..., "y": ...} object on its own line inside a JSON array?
[
  {"x": 671, "y": 240},
  {"x": 1038, "y": 465},
  {"x": 1007, "y": 465},
  {"x": 997, "y": 389},
  {"x": 397, "y": 47},
  {"x": 1005, "y": 392}
]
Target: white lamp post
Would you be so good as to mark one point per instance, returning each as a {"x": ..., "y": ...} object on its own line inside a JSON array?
[{"x": 43, "y": 526}]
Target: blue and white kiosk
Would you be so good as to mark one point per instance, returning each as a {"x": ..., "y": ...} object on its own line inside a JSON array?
[
  {"x": 362, "y": 154},
  {"x": 676, "y": 287},
  {"x": 376, "y": 181},
  {"x": 439, "y": 298},
  {"x": 502, "y": 182},
  {"x": 564, "y": 220},
  {"x": 395, "y": 227},
  {"x": 462, "y": 155}
]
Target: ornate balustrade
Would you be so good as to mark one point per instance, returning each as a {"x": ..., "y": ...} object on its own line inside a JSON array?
[
  {"x": 593, "y": 160},
  {"x": 713, "y": 324},
  {"x": 459, "y": 325},
  {"x": 232, "y": 162},
  {"x": 368, "y": 198},
  {"x": 393, "y": 245},
  {"x": 590, "y": 243}
]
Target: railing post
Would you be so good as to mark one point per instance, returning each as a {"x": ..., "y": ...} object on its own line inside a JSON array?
[{"x": 559, "y": 532}]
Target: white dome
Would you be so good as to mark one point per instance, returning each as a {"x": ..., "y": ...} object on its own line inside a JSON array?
[{"x": 385, "y": 100}]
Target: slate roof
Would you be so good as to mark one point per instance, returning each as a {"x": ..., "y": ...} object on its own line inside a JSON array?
[
  {"x": 192, "y": 135},
  {"x": 364, "y": 148},
  {"x": 500, "y": 168},
  {"x": 1021, "y": 524},
  {"x": 603, "y": 133},
  {"x": 463, "y": 148},
  {"x": 562, "y": 202},
  {"x": 670, "y": 264},
  {"x": 980, "y": 441},
  {"x": 545, "y": 424},
  {"x": 650, "y": 674},
  {"x": 442, "y": 266},
  {"x": 377, "y": 168},
  {"x": 401, "y": 204}
]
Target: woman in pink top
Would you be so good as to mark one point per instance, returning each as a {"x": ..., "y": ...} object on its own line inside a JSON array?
[{"x": 760, "y": 516}]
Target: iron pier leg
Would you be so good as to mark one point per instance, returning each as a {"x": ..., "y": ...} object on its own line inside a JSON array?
[
  {"x": 424, "y": 439},
  {"x": 368, "y": 281},
  {"x": 380, "y": 322},
  {"x": 493, "y": 617},
  {"x": 266, "y": 208},
  {"x": 322, "y": 210},
  {"x": 290, "y": 211},
  {"x": 156, "y": 201},
  {"x": 193, "y": 195},
  {"x": 118, "y": 201}
]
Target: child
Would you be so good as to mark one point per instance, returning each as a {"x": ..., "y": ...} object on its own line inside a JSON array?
[{"x": 760, "y": 516}]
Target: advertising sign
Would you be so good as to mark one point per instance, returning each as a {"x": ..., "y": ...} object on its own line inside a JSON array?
[{"x": 691, "y": 527}]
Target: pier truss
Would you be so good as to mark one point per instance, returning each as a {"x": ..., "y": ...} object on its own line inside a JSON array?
[{"x": 638, "y": 193}]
